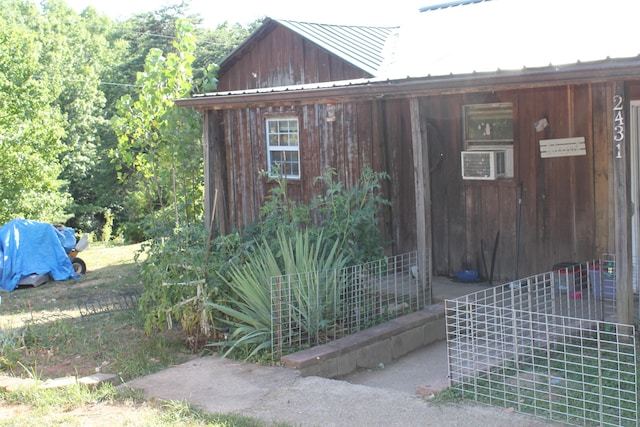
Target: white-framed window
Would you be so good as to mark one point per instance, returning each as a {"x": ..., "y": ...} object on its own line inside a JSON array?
[
  {"x": 488, "y": 126},
  {"x": 283, "y": 147}
]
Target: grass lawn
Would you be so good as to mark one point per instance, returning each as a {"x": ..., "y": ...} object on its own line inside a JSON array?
[{"x": 55, "y": 330}]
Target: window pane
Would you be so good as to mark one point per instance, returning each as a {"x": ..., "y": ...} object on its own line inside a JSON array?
[
  {"x": 286, "y": 163},
  {"x": 292, "y": 164},
  {"x": 277, "y": 157},
  {"x": 488, "y": 124},
  {"x": 283, "y": 145},
  {"x": 288, "y": 126}
]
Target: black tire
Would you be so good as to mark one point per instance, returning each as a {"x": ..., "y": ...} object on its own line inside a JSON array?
[{"x": 78, "y": 266}]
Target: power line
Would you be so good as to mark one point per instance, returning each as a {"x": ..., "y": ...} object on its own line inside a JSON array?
[
  {"x": 99, "y": 82},
  {"x": 233, "y": 45},
  {"x": 117, "y": 84}
]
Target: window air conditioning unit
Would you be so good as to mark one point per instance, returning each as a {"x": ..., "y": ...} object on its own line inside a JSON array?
[{"x": 487, "y": 165}]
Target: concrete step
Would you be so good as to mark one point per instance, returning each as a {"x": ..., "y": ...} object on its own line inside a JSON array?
[{"x": 372, "y": 347}]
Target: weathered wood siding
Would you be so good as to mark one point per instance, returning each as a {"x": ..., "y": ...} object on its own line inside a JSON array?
[
  {"x": 374, "y": 134},
  {"x": 567, "y": 208},
  {"x": 283, "y": 58},
  {"x": 567, "y": 202}
]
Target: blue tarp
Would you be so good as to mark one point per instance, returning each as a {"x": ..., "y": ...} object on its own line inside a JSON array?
[{"x": 32, "y": 247}]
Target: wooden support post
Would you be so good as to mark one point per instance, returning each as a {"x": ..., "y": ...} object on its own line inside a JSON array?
[
  {"x": 215, "y": 167},
  {"x": 422, "y": 194},
  {"x": 622, "y": 196}
]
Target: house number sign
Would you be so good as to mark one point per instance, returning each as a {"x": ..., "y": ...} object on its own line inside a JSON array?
[{"x": 618, "y": 125}]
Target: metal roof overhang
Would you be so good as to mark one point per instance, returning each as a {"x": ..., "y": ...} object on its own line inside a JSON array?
[{"x": 367, "y": 89}]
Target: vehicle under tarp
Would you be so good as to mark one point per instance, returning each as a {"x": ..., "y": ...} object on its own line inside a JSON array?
[{"x": 34, "y": 248}]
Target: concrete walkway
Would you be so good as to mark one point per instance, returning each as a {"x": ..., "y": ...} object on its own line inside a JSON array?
[
  {"x": 279, "y": 395},
  {"x": 392, "y": 395},
  {"x": 423, "y": 371}
]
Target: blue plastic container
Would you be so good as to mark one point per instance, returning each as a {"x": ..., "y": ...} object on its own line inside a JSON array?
[{"x": 467, "y": 275}]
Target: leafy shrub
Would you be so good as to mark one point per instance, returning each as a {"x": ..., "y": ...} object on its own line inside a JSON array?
[
  {"x": 182, "y": 275},
  {"x": 347, "y": 215},
  {"x": 350, "y": 215},
  {"x": 281, "y": 213}
]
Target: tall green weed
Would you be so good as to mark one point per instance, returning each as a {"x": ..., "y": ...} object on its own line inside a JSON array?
[{"x": 351, "y": 215}]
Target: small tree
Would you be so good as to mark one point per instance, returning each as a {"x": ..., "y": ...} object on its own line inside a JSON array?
[{"x": 159, "y": 144}]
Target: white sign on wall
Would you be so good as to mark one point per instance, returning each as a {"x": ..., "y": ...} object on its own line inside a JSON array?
[{"x": 562, "y": 147}]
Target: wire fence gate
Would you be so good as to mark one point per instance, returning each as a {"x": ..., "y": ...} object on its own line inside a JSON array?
[
  {"x": 314, "y": 308},
  {"x": 547, "y": 345}
]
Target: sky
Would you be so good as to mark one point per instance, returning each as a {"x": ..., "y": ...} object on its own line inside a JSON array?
[{"x": 214, "y": 12}]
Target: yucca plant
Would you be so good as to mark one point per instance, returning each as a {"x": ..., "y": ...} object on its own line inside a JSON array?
[
  {"x": 247, "y": 304},
  {"x": 314, "y": 301},
  {"x": 316, "y": 264}
]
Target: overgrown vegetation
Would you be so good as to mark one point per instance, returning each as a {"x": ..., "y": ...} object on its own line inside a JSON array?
[
  {"x": 246, "y": 308},
  {"x": 219, "y": 289}
]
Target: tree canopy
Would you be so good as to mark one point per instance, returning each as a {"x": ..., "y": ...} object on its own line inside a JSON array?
[{"x": 89, "y": 132}]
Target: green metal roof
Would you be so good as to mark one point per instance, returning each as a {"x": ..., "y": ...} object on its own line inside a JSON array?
[{"x": 362, "y": 47}]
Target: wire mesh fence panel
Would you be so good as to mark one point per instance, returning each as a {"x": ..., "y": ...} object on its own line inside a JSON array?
[
  {"x": 108, "y": 302},
  {"x": 546, "y": 345},
  {"x": 587, "y": 290},
  {"x": 313, "y": 308}
]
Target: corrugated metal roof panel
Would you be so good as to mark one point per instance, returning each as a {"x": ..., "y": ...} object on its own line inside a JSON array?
[
  {"x": 361, "y": 46},
  {"x": 450, "y": 4},
  {"x": 379, "y": 87},
  {"x": 496, "y": 35}
]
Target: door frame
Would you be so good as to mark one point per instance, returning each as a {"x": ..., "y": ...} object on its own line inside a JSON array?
[{"x": 635, "y": 189}]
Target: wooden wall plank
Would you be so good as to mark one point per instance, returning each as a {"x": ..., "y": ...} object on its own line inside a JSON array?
[
  {"x": 473, "y": 225},
  {"x": 283, "y": 58},
  {"x": 309, "y": 148},
  {"x": 405, "y": 209},
  {"x": 584, "y": 241},
  {"x": 508, "y": 193},
  {"x": 526, "y": 167},
  {"x": 539, "y": 229},
  {"x": 456, "y": 211},
  {"x": 352, "y": 161},
  {"x": 602, "y": 163},
  {"x": 621, "y": 172},
  {"x": 231, "y": 140},
  {"x": 422, "y": 191}
]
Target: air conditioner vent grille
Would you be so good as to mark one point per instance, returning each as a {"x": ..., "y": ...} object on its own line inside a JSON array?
[{"x": 488, "y": 165}]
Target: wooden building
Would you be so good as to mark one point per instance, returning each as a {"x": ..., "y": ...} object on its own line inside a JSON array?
[{"x": 497, "y": 121}]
